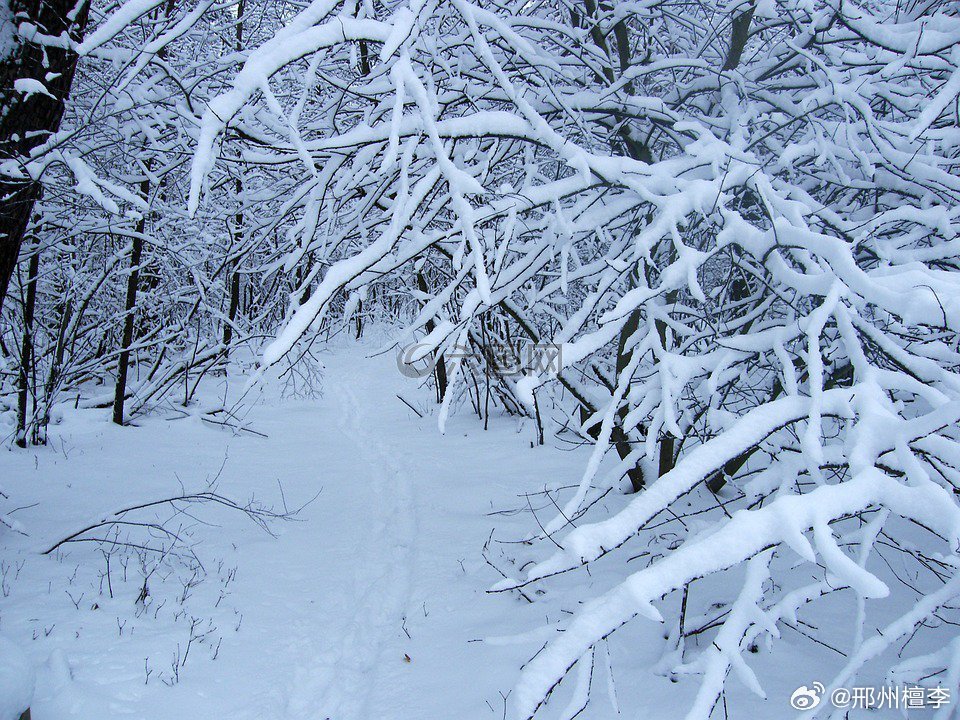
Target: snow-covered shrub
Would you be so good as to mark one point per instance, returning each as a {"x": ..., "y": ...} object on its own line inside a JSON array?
[{"x": 739, "y": 222}]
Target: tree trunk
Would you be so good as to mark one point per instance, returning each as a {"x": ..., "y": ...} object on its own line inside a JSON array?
[
  {"x": 739, "y": 35},
  {"x": 619, "y": 437},
  {"x": 637, "y": 151},
  {"x": 232, "y": 311},
  {"x": 234, "y": 276},
  {"x": 27, "y": 120},
  {"x": 439, "y": 363},
  {"x": 26, "y": 348},
  {"x": 129, "y": 318}
]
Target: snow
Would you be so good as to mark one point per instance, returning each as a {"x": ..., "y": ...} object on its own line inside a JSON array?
[
  {"x": 341, "y": 272},
  {"x": 752, "y": 277},
  {"x": 115, "y": 23},
  {"x": 373, "y": 602},
  {"x": 17, "y": 678},
  {"x": 8, "y": 31},
  {"x": 946, "y": 95},
  {"x": 748, "y": 533},
  {"x": 29, "y": 86},
  {"x": 392, "y": 545},
  {"x": 588, "y": 542},
  {"x": 89, "y": 184},
  {"x": 296, "y": 40}
]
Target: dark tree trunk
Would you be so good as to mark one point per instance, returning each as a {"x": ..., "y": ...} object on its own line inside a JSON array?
[
  {"x": 638, "y": 151},
  {"x": 130, "y": 314},
  {"x": 233, "y": 278},
  {"x": 619, "y": 438},
  {"x": 232, "y": 310},
  {"x": 26, "y": 348},
  {"x": 739, "y": 35},
  {"x": 234, "y": 275},
  {"x": 440, "y": 363},
  {"x": 27, "y": 120}
]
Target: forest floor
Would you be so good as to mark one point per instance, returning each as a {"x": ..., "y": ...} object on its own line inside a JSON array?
[{"x": 371, "y": 603}]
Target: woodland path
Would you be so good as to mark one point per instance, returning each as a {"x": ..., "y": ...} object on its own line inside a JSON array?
[{"x": 370, "y": 606}]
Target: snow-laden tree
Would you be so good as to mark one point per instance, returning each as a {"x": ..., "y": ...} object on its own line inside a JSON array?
[
  {"x": 738, "y": 221},
  {"x": 35, "y": 79},
  {"x": 121, "y": 298}
]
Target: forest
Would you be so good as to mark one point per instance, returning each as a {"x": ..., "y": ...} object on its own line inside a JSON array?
[{"x": 520, "y": 359}]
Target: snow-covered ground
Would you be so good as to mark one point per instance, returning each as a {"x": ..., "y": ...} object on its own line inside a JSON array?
[{"x": 368, "y": 605}]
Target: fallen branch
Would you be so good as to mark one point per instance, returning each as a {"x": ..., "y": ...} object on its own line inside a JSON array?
[{"x": 260, "y": 515}]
